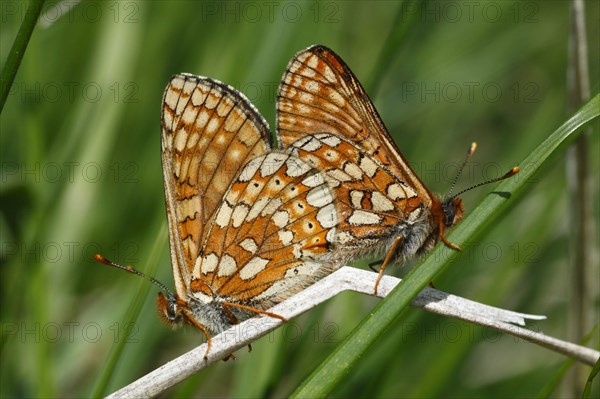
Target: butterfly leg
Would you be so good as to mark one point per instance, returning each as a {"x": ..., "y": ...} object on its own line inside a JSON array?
[
  {"x": 388, "y": 256},
  {"x": 375, "y": 262},
  {"x": 234, "y": 320},
  {"x": 253, "y": 310},
  {"x": 445, "y": 240},
  {"x": 203, "y": 329}
]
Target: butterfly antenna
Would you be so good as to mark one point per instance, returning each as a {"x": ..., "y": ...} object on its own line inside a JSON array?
[
  {"x": 508, "y": 174},
  {"x": 101, "y": 259},
  {"x": 470, "y": 152}
]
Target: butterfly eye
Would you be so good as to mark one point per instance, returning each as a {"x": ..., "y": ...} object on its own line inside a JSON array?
[
  {"x": 168, "y": 309},
  {"x": 449, "y": 214}
]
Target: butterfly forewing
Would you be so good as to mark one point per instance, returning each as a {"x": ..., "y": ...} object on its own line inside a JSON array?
[
  {"x": 209, "y": 131},
  {"x": 320, "y": 94}
]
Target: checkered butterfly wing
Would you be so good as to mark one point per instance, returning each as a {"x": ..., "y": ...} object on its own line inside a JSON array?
[
  {"x": 248, "y": 225},
  {"x": 371, "y": 201},
  {"x": 327, "y": 119},
  {"x": 271, "y": 234},
  {"x": 320, "y": 94},
  {"x": 209, "y": 131}
]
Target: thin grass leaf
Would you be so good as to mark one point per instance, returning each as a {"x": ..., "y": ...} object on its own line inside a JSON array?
[
  {"x": 333, "y": 370},
  {"x": 546, "y": 392},
  {"x": 18, "y": 49},
  {"x": 588, "y": 385},
  {"x": 132, "y": 314}
]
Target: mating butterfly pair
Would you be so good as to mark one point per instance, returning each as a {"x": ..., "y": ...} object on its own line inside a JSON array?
[{"x": 250, "y": 226}]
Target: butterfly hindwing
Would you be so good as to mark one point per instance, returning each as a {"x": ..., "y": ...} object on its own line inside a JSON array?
[
  {"x": 371, "y": 201},
  {"x": 271, "y": 235}
]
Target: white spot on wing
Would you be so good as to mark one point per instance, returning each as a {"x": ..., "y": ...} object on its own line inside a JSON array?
[
  {"x": 395, "y": 192},
  {"x": 319, "y": 197},
  {"x": 198, "y": 97},
  {"x": 227, "y": 266},
  {"x": 212, "y": 126},
  {"x": 210, "y": 263},
  {"x": 353, "y": 170},
  {"x": 312, "y": 61},
  {"x": 300, "y": 142},
  {"x": 193, "y": 140},
  {"x": 253, "y": 267},
  {"x": 180, "y": 139},
  {"x": 329, "y": 139},
  {"x": 286, "y": 237},
  {"x": 363, "y": 218},
  {"x": 296, "y": 167},
  {"x": 202, "y": 119},
  {"x": 327, "y": 216},
  {"x": 368, "y": 166},
  {"x": 314, "y": 180},
  {"x": 258, "y": 206},
  {"x": 356, "y": 198},
  {"x": 250, "y": 169},
  {"x": 380, "y": 202},
  {"x": 224, "y": 214},
  {"x": 311, "y": 145},
  {"x": 338, "y": 175},
  {"x": 178, "y": 82},
  {"x": 329, "y": 75},
  {"x": 281, "y": 218},
  {"x": 249, "y": 245},
  {"x": 271, "y": 207},
  {"x": 272, "y": 164}
]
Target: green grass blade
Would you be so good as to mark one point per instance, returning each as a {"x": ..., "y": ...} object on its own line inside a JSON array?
[
  {"x": 18, "y": 49},
  {"x": 132, "y": 313},
  {"x": 548, "y": 390},
  {"x": 588, "y": 385},
  {"x": 332, "y": 371}
]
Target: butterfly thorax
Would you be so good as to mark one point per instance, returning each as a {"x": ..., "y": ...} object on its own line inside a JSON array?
[
  {"x": 194, "y": 311},
  {"x": 419, "y": 231}
]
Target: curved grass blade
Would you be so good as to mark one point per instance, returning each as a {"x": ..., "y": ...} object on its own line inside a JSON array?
[
  {"x": 13, "y": 61},
  {"x": 588, "y": 385},
  {"x": 332, "y": 371},
  {"x": 132, "y": 313}
]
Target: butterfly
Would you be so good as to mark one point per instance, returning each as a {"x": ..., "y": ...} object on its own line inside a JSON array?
[
  {"x": 250, "y": 225},
  {"x": 325, "y": 117}
]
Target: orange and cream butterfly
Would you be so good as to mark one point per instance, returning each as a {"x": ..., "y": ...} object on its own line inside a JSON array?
[
  {"x": 325, "y": 117},
  {"x": 248, "y": 226}
]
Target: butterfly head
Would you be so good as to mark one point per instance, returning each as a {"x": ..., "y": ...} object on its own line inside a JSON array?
[
  {"x": 449, "y": 211},
  {"x": 452, "y": 211},
  {"x": 168, "y": 309}
]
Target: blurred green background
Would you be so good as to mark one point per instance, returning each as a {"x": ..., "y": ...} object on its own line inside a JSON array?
[{"x": 81, "y": 174}]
